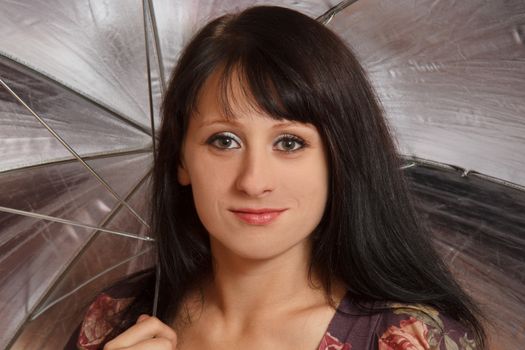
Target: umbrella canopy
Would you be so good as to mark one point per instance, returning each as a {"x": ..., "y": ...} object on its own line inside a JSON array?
[{"x": 81, "y": 83}]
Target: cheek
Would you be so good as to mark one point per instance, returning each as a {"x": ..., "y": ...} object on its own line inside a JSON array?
[
  {"x": 309, "y": 185},
  {"x": 210, "y": 181},
  {"x": 212, "y": 174}
]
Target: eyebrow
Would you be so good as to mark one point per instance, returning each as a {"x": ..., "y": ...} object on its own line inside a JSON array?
[
  {"x": 219, "y": 121},
  {"x": 292, "y": 123},
  {"x": 283, "y": 124}
]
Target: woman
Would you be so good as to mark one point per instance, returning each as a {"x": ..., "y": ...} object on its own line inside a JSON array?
[{"x": 277, "y": 199}]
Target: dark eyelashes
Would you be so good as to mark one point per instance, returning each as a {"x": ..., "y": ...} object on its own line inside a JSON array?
[
  {"x": 290, "y": 137},
  {"x": 223, "y": 140},
  {"x": 285, "y": 143}
]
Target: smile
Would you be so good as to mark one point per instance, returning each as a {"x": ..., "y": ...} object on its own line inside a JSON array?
[{"x": 257, "y": 216}]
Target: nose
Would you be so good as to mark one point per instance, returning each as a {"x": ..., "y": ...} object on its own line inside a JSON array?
[{"x": 255, "y": 177}]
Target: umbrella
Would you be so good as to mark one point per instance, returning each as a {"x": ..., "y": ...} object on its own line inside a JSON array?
[
  {"x": 81, "y": 84},
  {"x": 451, "y": 77},
  {"x": 76, "y": 149},
  {"x": 80, "y": 88}
]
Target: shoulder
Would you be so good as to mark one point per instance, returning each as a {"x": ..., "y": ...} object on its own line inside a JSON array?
[
  {"x": 414, "y": 326},
  {"x": 104, "y": 313},
  {"x": 109, "y": 311},
  {"x": 390, "y": 326}
]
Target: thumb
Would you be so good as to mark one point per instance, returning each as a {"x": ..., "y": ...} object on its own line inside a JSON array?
[{"x": 142, "y": 318}]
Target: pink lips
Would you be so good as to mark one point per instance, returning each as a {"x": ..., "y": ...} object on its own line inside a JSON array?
[{"x": 257, "y": 216}]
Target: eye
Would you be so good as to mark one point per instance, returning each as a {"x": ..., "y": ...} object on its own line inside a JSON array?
[
  {"x": 224, "y": 140},
  {"x": 289, "y": 143}
]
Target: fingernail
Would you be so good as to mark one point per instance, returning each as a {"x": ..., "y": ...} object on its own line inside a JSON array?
[{"x": 142, "y": 318}]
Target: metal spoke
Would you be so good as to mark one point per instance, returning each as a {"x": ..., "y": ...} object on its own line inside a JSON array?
[
  {"x": 113, "y": 212},
  {"x": 157, "y": 46},
  {"x": 80, "y": 286},
  {"x": 116, "y": 209},
  {"x": 73, "y": 223},
  {"x": 123, "y": 152},
  {"x": 463, "y": 172},
  {"x": 72, "y": 151},
  {"x": 407, "y": 166},
  {"x": 157, "y": 286},
  {"x": 326, "y": 17},
  {"x": 92, "y": 100},
  {"x": 148, "y": 70}
]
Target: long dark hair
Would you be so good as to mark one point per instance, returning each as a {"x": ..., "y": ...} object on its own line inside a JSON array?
[{"x": 295, "y": 68}]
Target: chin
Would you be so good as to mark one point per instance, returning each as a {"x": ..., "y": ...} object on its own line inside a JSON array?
[{"x": 265, "y": 251}]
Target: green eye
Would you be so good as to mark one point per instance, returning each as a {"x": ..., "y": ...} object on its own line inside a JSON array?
[
  {"x": 224, "y": 140},
  {"x": 289, "y": 143}
]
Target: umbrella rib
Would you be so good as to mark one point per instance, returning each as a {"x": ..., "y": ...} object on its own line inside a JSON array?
[
  {"x": 123, "y": 152},
  {"x": 113, "y": 212},
  {"x": 75, "y": 154},
  {"x": 110, "y": 216},
  {"x": 73, "y": 223},
  {"x": 56, "y": 301},
  {"x": 91, "y": 99},
  {"x": 407, "y": 166},
  {"x": 463, "y": 171},
  {"x": 157, "y": 286},
  {"x": 157, "y": 45},
  {"x": 148, "y": 69},
  {"x": 326, "y": 17}
]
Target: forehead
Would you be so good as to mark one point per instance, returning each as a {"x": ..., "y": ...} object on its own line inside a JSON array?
[
  {"x": 227, "y": 99},
  {"x": 227, "y": 96}
]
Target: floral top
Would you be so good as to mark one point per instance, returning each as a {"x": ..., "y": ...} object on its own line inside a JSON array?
[{"x": 396, "y": 327}]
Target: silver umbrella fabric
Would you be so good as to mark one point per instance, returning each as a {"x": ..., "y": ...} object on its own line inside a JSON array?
[
  {"x": 451, "y": 77},
  {"x": 80, "y": 88},
  {"x": 83, "y": 79},
  {"x": 69, "y": 90}
]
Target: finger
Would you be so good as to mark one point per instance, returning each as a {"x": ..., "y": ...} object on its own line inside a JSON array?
[
  {"x": 153, "y": 344},
  {"x": 142, "y": 317},
  {"x": 145, "y": 330}
]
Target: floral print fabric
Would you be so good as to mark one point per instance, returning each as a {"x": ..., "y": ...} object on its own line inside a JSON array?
[
  {"x": 102, "y": 315},
  {"x": 332, "y": 343},
  {"x": 398, "y": 327},
  {"x": 411, "y": 334}
]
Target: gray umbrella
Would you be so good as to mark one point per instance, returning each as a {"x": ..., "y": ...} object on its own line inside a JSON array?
[{"x": 80, "y": 88}]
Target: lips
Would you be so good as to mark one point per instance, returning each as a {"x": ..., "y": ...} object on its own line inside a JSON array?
[{"x": 261, "y": 216}]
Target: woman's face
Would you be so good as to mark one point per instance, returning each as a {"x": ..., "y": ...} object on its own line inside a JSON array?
[{"x": 259, "y": 184}]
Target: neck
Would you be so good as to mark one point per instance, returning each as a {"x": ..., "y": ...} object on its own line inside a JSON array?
[{"x": 241, "y": 288}]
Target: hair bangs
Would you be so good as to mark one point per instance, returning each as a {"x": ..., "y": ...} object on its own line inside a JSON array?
[{"x": 250, "y": 84}]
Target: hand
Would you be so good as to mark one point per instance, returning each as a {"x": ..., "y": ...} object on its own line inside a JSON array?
[{"x": 149, "y": 333}]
